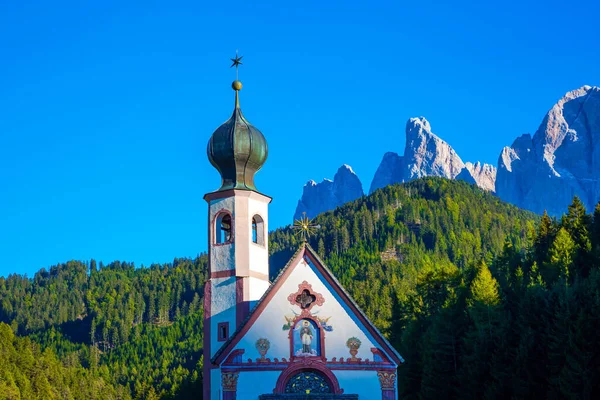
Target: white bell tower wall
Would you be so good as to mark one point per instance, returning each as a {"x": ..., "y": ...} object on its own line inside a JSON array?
[{"x": 238, "y": 260}]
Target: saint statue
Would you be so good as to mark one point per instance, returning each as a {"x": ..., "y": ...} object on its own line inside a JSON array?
[{"x": 306, "y": 335}]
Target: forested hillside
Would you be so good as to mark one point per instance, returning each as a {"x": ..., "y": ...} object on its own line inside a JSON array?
[
  {"x": 482, "y": 299},
  {"x": 136, "y": 327}
]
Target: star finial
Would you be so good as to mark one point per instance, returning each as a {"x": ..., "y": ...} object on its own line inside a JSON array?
[
  {"x": 305, "y": 227},
  {"x": 237, "y": 61}
]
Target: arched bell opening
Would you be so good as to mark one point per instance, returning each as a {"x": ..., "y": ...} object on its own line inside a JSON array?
[
  {"x": 223, "y": 228},
  {"x": 258, "y": 230}
]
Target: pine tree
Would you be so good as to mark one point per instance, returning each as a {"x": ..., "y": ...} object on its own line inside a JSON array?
[
  {"x": 595, "y": 234},
  {"x": 321, "y": 248},
  {"x": 561, "y": 255},
  {"x": 484, "y": 288},
  {"x": 543, "y": 239},
  {"x": 483, "y": 298},
  {"x": 578, "y": 224}
]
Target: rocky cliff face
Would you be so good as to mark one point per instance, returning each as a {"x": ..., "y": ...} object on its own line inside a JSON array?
[
  {"x": 561, "y": 160},
  {"x": 425, "y": 154},
  {"x": 388, "y": 172},
  {"x": 538, "y": 173},
  {"x": 327, "y": 195},
  {"x": 484, "y": 175}
]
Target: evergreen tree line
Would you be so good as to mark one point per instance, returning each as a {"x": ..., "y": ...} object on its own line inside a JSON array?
[
  {"x": 524, "y": 327},
  {"x": 482, "y": 299},
  {"x": 102, "y": 305},
  {"x": 136, "y": 328},
  {"x": 29, "y": 373}
]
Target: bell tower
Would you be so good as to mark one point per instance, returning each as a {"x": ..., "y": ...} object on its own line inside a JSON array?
[{"x": 238, "y": 246}]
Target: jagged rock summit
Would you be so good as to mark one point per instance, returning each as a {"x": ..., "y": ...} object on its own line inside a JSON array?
[
  {"x": 537, "y": 173},
  {"x": 561, "y": 160},
  {"x": 329, "y": 194},
  {"x": 426, "y": 154}
]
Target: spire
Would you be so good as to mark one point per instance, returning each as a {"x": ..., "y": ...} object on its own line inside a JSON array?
[
  {"x": 236, "y": 85},
  {"x": 237, "y": 149}
]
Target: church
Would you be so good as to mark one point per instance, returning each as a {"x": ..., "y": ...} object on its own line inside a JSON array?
[{"x": 299, "y": 337}]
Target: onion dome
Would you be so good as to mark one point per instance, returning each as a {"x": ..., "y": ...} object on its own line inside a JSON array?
[{"x": 237, "y": 149}]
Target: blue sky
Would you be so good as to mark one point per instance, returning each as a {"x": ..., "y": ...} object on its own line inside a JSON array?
[{"x": 106, "y": 109}]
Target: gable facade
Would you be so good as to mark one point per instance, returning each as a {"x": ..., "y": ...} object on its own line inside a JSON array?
[{"x": 307, "y": 329}]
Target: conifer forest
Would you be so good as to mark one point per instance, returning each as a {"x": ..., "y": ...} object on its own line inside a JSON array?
[{"x": 482, "y": 299}]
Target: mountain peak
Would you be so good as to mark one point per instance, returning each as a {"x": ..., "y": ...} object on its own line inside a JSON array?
[
  {"x": 561, "y": 160},
  {"x": 329, "y": 194},
  {"x": 425, "y": 154},
  {"x": 346, "y": 168},
  {"x": 421, "y": 122}
]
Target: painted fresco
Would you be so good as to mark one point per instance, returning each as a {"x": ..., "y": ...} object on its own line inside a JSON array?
[
  {"x": 306, "y": 339},
  {"x": 323, "y": 321},
  {"x": 262, "y": 345},
  {"x": 353, "y": 344}
]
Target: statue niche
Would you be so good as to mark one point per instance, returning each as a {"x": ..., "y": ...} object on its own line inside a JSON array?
[{"x": 306, "y": 339}]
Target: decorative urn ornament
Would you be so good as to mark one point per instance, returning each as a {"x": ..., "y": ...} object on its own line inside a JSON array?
[
  {"x": 263, "y": 345},
  {"x": 353, "y": 344}
]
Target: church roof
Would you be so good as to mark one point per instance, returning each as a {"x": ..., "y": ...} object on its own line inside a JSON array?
[{"x": 304, "y": 251}]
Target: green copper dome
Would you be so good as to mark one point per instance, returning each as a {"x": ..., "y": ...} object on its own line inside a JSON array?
[{"x": 237, "y": 149}]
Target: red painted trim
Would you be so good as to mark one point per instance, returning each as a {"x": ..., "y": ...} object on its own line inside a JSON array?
[
  {"x": 259, "y": 309},
  {"x": 209, "y": 239},
  {"x": 229, "y": 395},
  {"x": 232, "y": 192},
  {"x": 242, "y": 307},
  {"x": 222, "y": 274},
  {"x": 234, "y": 360},
  {"x": 307, "y": 365},
  {"x": 387, "y": 394},
  {"x": 234, "y": 354},
  {"x": 376, "y": 335},
  {"x": 206, "y": 340},
  {"x": 378, "y": 352},
  {"x": 260, "y": 366}
]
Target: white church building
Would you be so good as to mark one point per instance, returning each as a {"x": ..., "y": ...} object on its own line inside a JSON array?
[{"x": 299, "y": 337}]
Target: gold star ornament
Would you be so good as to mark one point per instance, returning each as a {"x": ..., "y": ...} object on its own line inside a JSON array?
[{"x": 305, "y": 228}]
